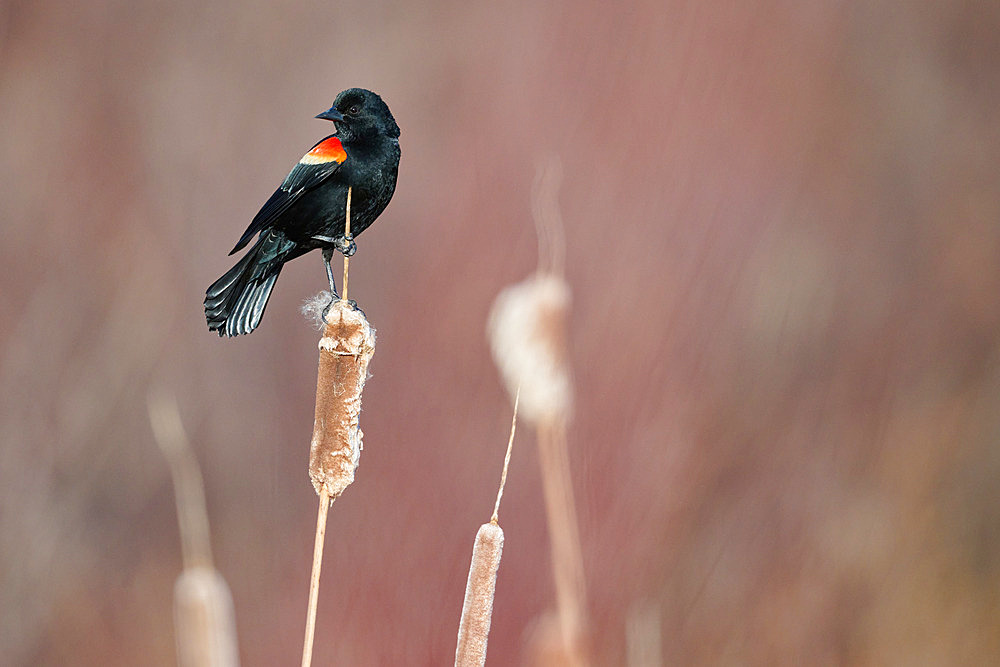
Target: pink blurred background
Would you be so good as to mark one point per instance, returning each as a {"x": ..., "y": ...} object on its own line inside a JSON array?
[{"x": 783, "y": 243}]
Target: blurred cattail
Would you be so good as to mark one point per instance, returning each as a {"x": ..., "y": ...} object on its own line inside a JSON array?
[
  {"x": 527, "y": 329},
  {"x": 203, "y": 606},
  {"x": 477, "y": 612},
  {"x": 204, "y": 618},
  {"x": 528, "y": 322}
]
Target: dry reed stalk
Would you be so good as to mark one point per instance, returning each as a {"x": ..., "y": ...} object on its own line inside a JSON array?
[
  {"x": 477, "y": 611},
  {"x": 345, "y": 350},
  {"x": 528, "y": 333},
  {"x": 203, "y": 606},
  {"x": 567, "y": 557}
]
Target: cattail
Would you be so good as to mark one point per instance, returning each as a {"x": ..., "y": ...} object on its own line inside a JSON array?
[
  {"x": 345, "y": 350},
  {"x": 203, "y": 606},
  {"x": 204, "y": 618},
  {"x": 477, "y": 612},
  {"x": 529, "y": 320},
  {"x": 528, "y": 332}
]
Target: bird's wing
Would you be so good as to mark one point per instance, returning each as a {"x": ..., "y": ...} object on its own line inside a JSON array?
[{"x": 321, "y": 162}]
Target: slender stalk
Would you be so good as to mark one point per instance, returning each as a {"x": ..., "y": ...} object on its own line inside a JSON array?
[
  {"x": 506, "y": 459},
  {"x": 307, "y": 646},
  {"x": 189, "y": 488},
  {"x": 564, "y": 538},
  {"x": 347, "y": 235}
]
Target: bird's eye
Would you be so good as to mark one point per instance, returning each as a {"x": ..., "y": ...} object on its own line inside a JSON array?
[{"x": 354, "y": 110}]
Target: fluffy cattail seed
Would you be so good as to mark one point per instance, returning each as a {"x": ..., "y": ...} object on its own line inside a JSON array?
[{"x": 527, "y": 332}]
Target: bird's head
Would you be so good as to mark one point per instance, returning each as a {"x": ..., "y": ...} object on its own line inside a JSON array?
[{"x": 360, "y": 115}]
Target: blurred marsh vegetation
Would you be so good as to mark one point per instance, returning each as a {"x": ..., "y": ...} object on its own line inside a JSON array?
[{"x": 783, "y": 244}]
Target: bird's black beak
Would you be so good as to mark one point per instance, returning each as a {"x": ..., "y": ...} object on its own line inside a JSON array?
[{"x": 331, "y": 114}]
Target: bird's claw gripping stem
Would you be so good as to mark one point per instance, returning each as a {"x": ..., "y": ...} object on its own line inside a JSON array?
[
  {"x": 351, "y": 303},
  {"x": 346, "y": 245}
]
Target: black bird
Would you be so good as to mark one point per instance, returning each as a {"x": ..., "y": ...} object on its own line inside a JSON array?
[{"x": 307, "y": 211}]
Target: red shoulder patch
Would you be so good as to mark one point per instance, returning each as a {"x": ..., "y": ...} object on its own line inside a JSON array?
[{"x": 328, "y": 150}]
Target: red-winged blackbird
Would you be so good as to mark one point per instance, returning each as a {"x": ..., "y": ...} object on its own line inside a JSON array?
[{"x": 307, "y": 211}]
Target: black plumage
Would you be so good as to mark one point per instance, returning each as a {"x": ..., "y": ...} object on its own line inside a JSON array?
[{"x": 307, "y": 211}]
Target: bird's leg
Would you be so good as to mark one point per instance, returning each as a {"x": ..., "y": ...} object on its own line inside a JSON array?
[{"x": 327, "y": 258}]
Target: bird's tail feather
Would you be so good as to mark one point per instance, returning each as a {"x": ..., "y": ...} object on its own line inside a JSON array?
[{"x": 234, "y": 304}]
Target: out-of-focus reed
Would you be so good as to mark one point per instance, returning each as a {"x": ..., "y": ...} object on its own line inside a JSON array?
[
  {"x": 204, "y": 620},
  {"x": 528, "y": 335}
]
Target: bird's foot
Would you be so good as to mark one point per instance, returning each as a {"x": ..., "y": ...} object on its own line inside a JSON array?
[
  {"x": 346, "y": 245},
  {"x": 354, "y": 306},
  {"x": 351, "y": 303}
]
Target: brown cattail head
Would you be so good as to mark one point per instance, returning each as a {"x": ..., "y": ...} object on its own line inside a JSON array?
[
  {"x": 344, "y": 352},
  {"x": 527, "y": 331},
  {"x": 474, "y": 629}
]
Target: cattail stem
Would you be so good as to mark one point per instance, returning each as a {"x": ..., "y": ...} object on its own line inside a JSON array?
[
  {"x": 549, "y": 226},
  {"x": 564, "y": 538},
  {"x": 506, "y": 459},
  {"x": 307, "y": 646},
  {"x": 347, "y": 236},
  {"x": 189, "y": 488}
]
